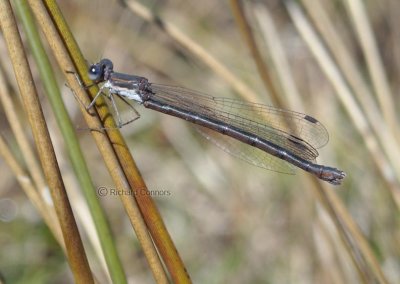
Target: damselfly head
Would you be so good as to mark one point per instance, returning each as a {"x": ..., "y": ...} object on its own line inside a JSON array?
[{"x": 100, "y": 71}]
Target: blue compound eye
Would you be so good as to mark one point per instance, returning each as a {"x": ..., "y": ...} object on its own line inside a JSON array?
[{"x": 96, "y": 72}]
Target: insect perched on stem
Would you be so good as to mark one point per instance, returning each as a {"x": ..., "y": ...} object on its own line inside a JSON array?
[{"x": 262, "y": 135}]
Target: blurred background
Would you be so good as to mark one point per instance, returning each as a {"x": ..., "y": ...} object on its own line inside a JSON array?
[{"x": 337, "y": 61}]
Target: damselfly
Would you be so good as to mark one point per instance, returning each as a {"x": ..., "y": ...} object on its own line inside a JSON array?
[{"x": 262, "y": 135}]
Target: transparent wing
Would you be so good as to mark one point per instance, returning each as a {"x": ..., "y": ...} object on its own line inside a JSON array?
[
  {"x": 249, "y": 154},
  {"x": 296, "y": 132}
]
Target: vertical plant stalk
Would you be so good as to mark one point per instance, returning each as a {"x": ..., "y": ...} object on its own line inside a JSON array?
[
  {"x": 329, "y": 204},
  {"x": 47, "y": 210},
  {"x": 346, "y": 62},
  {"x": 26, "y": 184},
  {"x": 247, "y": 34},
  {"x": 355, "y": 232},
  {"x": 356, "y": 10},
  {"x": 62, "y": 50},
  {"x": 350, "y": 234},
  {"x": 31, "y": 161},
  {"x": 76, "y": 254},
  {"x": 276, "y": 51},
  {"x": 346, "y": 238},
  {"x": 107, "y": 252},
  {"x": 150, "y": 213}
]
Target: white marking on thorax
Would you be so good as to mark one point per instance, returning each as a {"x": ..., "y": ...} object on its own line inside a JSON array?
[{"x": 124, "y": 92}]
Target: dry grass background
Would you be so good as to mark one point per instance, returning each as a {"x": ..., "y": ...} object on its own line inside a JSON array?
[{"x": 232, "y": 222}]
